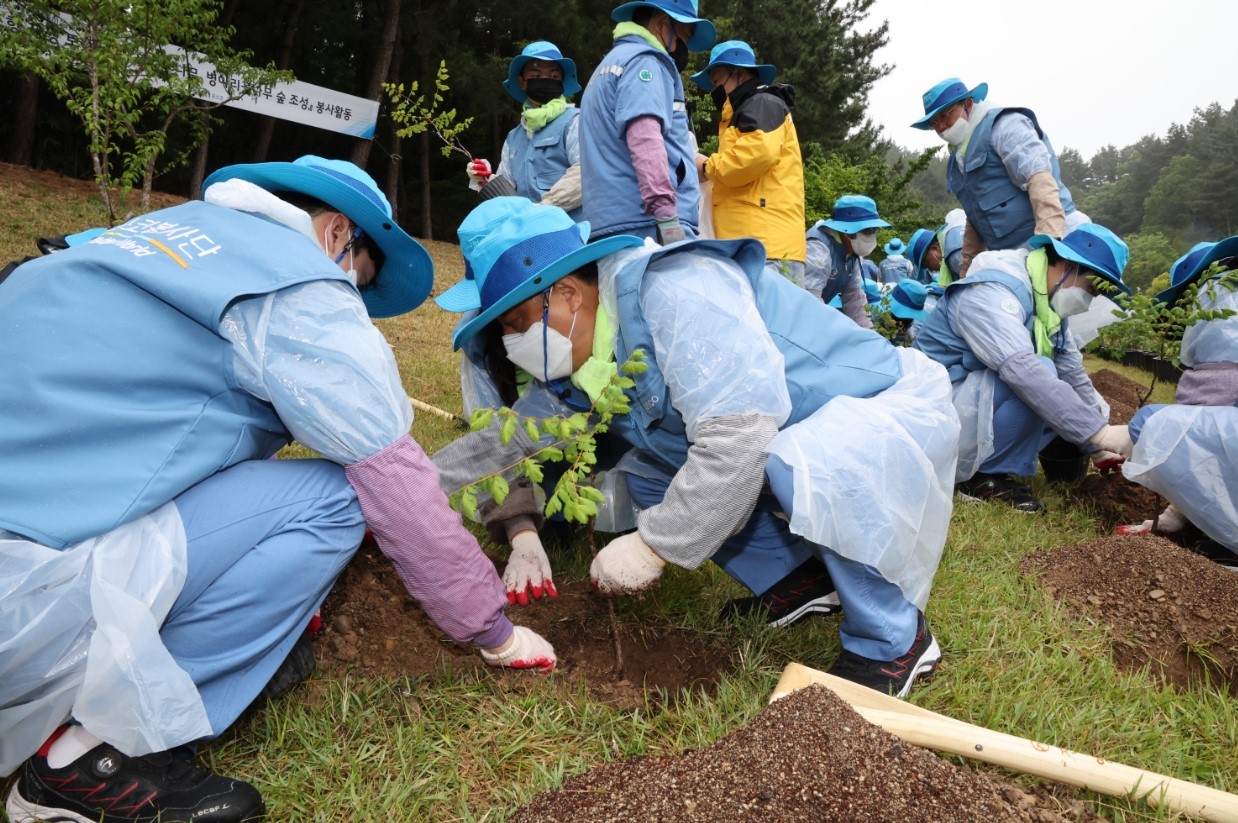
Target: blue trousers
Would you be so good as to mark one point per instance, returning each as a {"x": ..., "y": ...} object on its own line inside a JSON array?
[
  {"x": 267, "y": 540},
  {"x": 1018, "y": 435},
  {"x": 878, "y": 622}
]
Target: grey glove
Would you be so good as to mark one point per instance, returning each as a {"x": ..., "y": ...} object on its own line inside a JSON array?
[{"x": 670, "y": 231}]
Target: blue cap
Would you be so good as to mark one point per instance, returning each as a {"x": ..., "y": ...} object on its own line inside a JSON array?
[
  {"x": 703, "y": 36},
  {"x": 907, "y": 300},
  {"x": 404, "y": 280},
  {"x": 734, "y": 53},
  {"x": 540, "y": 50},
  {"x": 944, "y": 95},
  {"x": 853, "y": 213},
  {"x": 1093, "y": 247},
  {"x": 1187, "y": 268},
  {"x": 515, "y": 249}
]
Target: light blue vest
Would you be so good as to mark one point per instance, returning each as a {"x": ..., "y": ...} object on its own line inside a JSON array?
[
  {"x": 940, "y": 342},
  {"x": 999, "y": 210},
  {"x": 826, "y": 354},
  {"x": 845, "y": 266},
  {"x": 895, "y": 268},
  {"x": 119, "y": 392},
  {"x": 612, "y": 201},
  {"x": 538, "y": 162}
]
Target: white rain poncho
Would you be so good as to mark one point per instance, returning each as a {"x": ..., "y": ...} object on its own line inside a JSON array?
[
  {"x": 874, "y": 477},
  {"x": 1189, "y": 455},
  {"x": 81, "y": 639}
]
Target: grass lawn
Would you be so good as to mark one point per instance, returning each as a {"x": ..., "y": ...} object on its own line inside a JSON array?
[{"x": 449, "y": 747}]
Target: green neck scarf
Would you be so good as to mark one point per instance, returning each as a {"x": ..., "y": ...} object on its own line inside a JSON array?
[
  {"x": 596, "y": 372},
  {"x": 1047, "y": 323},
  {"x": 628, "y": 27},
  {"x": 536, "y": 118}
]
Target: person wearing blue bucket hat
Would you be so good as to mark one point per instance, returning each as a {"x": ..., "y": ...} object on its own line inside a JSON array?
[
  {"x": 924, "y": 252},
  {"x": 750, "y": 380},
  {"x": 637, "y": 148},
  {"x": 836, "y": 249},
  {"x": 152, "y": 371},
  {"x": 1002, "y": 168},
  {"x": 895, "y": 266},
  {"x": 1019, "y": 383},
  {"x": 757, "y": 173},
  {"x": 906, "y": 303},
  {"x": 1182, "y": 451},
  {"x": 541, "y": 156}
]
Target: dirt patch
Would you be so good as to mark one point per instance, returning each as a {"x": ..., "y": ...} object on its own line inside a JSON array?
[
  {"x": 1122, "y": 393},
  {"x": 807, "y": 757},
  {"x": 371, "y": 624},
  {"x": 1162, "y": 606}
]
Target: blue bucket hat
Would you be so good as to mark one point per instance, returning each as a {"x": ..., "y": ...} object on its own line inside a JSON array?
[
  {"x": 514, "y": 249},
  {"x": 407, "y": 274},
  {"x": 907, "y": 300},
  {"x": 895, "y": 246},
  {"x": 1187, "y": 268},
  {"x": 1093, "y": 247},
  {"x": 540, "y": 50},
  {"x": 703, "y": 36},
  {"x": 853, "y": 213},
  {"x": 872, "y": 292},
  {"x": 734, "y": 53},
  {"x": 944, "y": 95},
  {"x": 921, "y": 239}
]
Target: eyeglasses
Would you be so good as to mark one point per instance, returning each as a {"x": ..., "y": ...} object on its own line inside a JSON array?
[
  {"x": 942, "y": 118},
  {"x": 364, "y": 242}
]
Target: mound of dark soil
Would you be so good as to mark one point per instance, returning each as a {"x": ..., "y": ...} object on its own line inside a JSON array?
[
  {"x": 1121, "y": 392},
  {"x": 807, "y": 757}
]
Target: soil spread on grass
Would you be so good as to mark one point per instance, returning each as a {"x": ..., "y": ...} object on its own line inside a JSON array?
[
  {"x": 1162, "y": 606},
  {"x": 372, "y": 625},
  {"x": 809, "y": 756}
]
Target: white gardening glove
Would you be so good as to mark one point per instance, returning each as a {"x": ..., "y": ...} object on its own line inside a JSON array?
[
  {"x": 479, "y": 172},
  {"x": 1170, "y": 521},
  {"x": 626, "y": 566},
  {"x": 528, "y": 570},
  {"x": 1113, "y": 439},
  {"x": 525, "y": 649},
  {"x": 1106, "y": 461}
]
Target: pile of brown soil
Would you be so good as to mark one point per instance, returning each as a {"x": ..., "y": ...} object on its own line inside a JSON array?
[
  {"x": 1161, "y": 605},
  {"x": 809, "y": 756},
  {"x": 1122, "y": 394}
]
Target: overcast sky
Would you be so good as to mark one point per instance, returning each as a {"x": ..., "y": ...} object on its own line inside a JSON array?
[{"x": 1094, "y": 71}]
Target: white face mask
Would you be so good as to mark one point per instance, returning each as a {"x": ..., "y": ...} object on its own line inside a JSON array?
[
  {"x": 526, "y": 351},
  {"x": 352, "y": 267},
  {"x": 956, "y": 132},
  {"x": 1070, "y": 301},
  {"x": 864, "y": 244}
]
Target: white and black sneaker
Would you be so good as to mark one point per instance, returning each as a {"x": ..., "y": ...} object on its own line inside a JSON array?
[
  {"x": 893, "y": 677},
  {"x": 105, "y": 785},
  {"x": 806, "y": 591}
]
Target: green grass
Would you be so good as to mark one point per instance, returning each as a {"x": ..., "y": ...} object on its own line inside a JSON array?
[{"x": 455, "y": 747}]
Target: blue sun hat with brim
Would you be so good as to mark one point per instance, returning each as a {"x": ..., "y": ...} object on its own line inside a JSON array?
[
  {"x": 872, "y": 291},
  {"x": 907, "y": 300},
  {"x": 921, "y": 239},
  {"x": 853, "y": 213},
  {"x": 407, "y": 273},
  {"x": 895, "y": 246},
  {"x": 540, "y": 50},
  {"x": 703, "y": 36},
  {"x": 1187, "y": 268},
  {"x": 944, "y": 95},
  {"x": 734, "y": 53},
  {"x": 1093, "y": 247},
  {"x": 515, "y": 249}
]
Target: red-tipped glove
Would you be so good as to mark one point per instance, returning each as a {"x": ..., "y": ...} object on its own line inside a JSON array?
[
  {"x": 1170, "y": 521},
  {"x": 479, "y": 172},
  {"x": 526, "y": 649},
  {"x": 1107, "y": 461},
  {"x": 528, "y": 570}
]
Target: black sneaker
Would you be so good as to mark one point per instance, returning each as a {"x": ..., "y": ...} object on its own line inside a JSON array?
[
  {"x": 807, "y": 590},
  {"x": 105, "y": 785},
  {"x": 1004, "y": 489},
  {"x": 893, "y": 677}
]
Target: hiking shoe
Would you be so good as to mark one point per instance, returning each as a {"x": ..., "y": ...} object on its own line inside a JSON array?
[
  {"x": 1002, "y": 488},
  {"x": 807, "y": 590},
  {"x": 1217, "y": 553},
  {"x": 893, "y": 677},
  {"x": 105, "y": 785}
]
